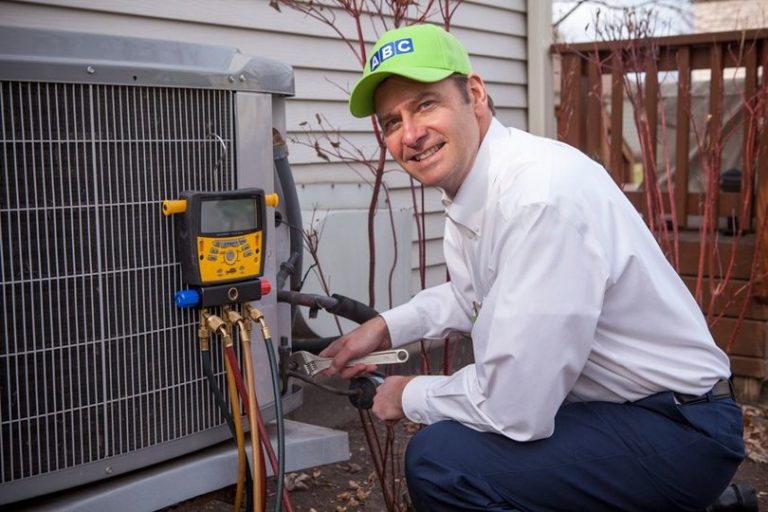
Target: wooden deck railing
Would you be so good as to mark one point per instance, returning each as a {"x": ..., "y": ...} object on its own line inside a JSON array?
[{"x": 598, "y": 79}]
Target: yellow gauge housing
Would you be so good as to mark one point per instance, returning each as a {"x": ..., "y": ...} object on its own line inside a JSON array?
[
  {"x": 220, "y": 236},
  {"x": 227, "y": 258}
]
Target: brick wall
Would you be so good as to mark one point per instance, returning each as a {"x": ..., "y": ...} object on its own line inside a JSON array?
[{"x": 723, "y": 15}]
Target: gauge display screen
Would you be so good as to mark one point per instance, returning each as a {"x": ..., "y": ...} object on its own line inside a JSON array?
[{"x": 228, "y": 215}]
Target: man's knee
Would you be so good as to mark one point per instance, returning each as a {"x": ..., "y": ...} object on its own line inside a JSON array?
[
  {"x": 437, "y": 470},
  {"x": 417, "y": 447},
  {"x": 427, "y": 444},
  {"x": 421, "y": 454}
]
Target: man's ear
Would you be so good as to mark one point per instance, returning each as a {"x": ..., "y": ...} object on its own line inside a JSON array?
[{"x": 477, "y": 93}]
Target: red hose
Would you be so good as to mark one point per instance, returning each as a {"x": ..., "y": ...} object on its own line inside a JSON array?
[
  {"x": 232, "y": 360},
  {"x": 230, "y": 352},
  {"x": 263, "y": 433}
]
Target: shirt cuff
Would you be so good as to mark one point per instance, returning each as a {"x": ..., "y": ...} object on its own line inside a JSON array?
[
  {"x": 414, "y": 403},
  {"x": 404, "y": 324}
]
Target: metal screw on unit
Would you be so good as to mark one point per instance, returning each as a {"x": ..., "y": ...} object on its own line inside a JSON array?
[
  {"x": 108, "y": 470},
  {"x": 91, "y": 70},
  {"x": 231, "y": 79},
  {"x": 233, "y": 294},
  {"x": 242, "y": 78}
]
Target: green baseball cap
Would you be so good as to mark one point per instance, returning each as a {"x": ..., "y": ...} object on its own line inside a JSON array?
[{"x": 424, "y": 53}]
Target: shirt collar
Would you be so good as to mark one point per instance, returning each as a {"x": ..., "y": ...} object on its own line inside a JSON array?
[{"x": 467, "y": 207}]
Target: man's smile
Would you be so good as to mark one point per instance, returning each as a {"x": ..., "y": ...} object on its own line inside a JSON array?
[{"x": 429, "y": 152}]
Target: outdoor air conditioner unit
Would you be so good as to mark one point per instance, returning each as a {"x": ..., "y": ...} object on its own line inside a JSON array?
[{"x": 100, "y": 374}]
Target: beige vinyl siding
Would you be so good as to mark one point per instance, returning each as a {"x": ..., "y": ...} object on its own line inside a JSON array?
[{"x": 494, "y": 32}]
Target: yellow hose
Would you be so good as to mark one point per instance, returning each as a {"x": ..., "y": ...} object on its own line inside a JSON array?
[
  {"x": 240, "y": 436},
  {"x": 245, "y": 337}
]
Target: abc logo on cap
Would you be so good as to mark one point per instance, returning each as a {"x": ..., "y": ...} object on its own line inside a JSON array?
[{"x": 389, "y": 50}]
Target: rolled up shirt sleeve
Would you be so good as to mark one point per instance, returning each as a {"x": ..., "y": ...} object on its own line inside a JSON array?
[{"x": 533, "y": 335}]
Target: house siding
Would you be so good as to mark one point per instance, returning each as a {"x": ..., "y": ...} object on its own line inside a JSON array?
[{"x": 494, "y": 32}]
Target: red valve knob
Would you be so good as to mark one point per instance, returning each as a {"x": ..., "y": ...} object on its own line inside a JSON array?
[{"x": 266, "y": 287}]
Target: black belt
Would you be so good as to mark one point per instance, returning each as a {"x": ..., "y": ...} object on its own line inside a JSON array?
[{"x": 722, "y": 389}]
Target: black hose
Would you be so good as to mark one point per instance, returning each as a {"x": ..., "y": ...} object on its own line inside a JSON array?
[
  {"x": 310, "y": 300},
  {"x": 352, "y": 309},
  {"x": 336, "y": 304},
  {"x": 293, "y": 213},
  {"x": 325, "y": 387},
  {"x": 280, "y": 425},
  {"x": 215, "y": 390},
  {"x": 219, "y": 397}
]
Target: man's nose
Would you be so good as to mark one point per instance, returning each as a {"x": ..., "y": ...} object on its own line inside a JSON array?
[{"x": 413, "y": 132}]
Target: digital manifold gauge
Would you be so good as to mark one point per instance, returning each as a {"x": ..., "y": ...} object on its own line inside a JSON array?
[{"x": 221, "y": 240}]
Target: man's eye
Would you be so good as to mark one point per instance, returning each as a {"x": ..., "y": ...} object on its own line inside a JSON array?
[
  {"x": 391, "y": 125},
  {"x": 424, "y": 105}
]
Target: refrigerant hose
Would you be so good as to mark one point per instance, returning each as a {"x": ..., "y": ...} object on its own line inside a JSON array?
[
  {"x": 212, "y": 323},
  {"x": 222, "y": 405},
  {"x": 262, "y": 429},
  {"x": 259, "y": 479},
  {"x": 252, "y": 409},
  {"x": 235, "y": 383},
  {"x": 240, "y": 437},
  {"x": 280, "y": 424},
  {"x": 267, "y": 445},
  {"x": 258, "y": 317}
]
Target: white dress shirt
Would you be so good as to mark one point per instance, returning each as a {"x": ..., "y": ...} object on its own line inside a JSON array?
[{"x": 576, "y": 300}]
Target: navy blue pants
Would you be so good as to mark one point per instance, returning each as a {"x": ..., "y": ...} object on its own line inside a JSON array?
[{"x": 652, "y": 455}]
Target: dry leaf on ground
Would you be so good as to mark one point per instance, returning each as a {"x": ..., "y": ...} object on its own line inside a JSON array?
[
  {"x": 296, "y": 481},
  {"x": 756, "y": 432}
]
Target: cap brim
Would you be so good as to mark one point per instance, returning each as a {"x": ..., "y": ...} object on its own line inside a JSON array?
[{"x": 361, "y": 99}]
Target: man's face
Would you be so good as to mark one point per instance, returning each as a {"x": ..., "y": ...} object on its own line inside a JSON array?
[{"x": 430, "y": 129}]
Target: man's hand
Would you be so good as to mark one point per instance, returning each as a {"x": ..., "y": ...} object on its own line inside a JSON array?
[
  {"x": 388, "y": 402},
  {"x": 372, "y": 335}
]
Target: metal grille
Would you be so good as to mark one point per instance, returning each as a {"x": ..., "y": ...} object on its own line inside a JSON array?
[{"x": 95, "y": 361}]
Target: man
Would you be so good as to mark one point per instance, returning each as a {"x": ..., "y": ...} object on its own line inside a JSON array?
[{"x": 596, "y": 383}]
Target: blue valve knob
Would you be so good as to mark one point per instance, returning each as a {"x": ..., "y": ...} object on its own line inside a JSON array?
[{"x": 187, "y": 298}]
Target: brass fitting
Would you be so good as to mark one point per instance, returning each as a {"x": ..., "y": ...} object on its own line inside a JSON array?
[
  {"x": 236, "y": 318},
  {"x": 258, "y": 316},
  {"x": 252, "y": 312},
  {"x": 232, "y": 315},
  {"x": 216, "y": 324},
  {"x": 203, "y": 333}
]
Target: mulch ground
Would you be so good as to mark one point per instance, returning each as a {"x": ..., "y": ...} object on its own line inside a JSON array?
[{"x": 353, "y": 485}]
